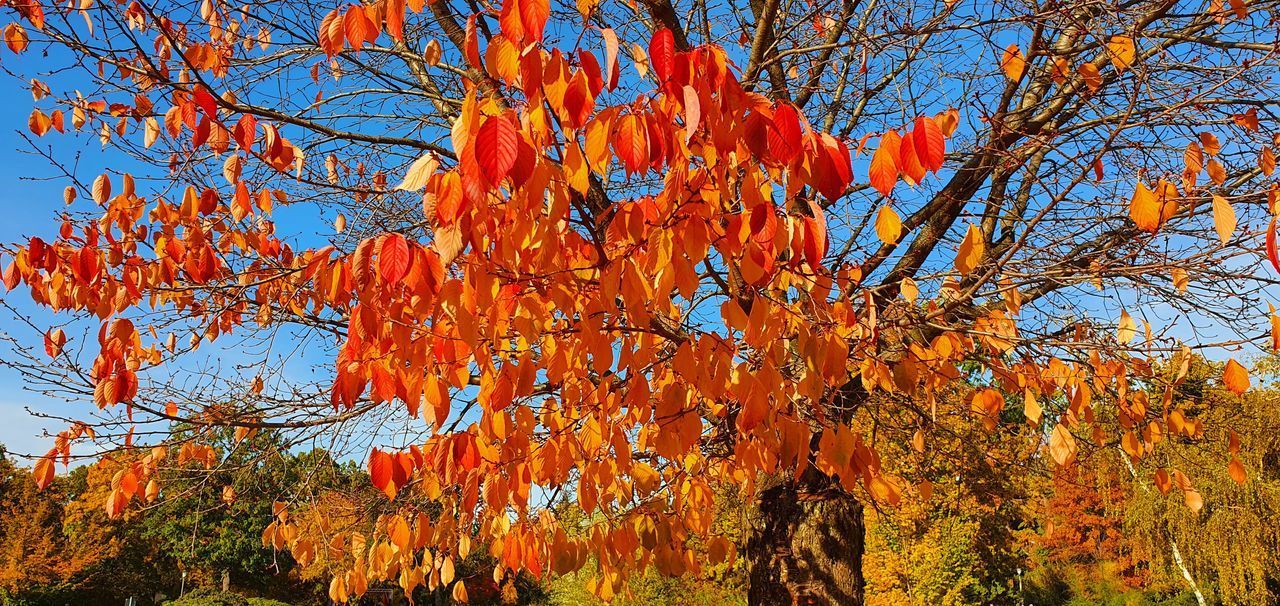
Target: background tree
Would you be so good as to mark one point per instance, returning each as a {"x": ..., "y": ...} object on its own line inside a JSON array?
[
  {"x": 636, "y": 287},
  {"x": 1229, "y": 545}
]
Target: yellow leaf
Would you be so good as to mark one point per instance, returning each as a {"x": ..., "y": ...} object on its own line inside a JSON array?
[
  {"x": 1031, "y": 408},
  {"x": 1126, "y": 328},
  {"x": 909, "y": 290},
  {"x": 971, "y": 251},
  {"x": 1235, "y": 378},
  {"x": 419, "y": 172},
  {"x": 460, "y": 592},
  {"x": 101, "y": 189},
  {"x": 888, "y": 225},
  {"x": 1224, "y": 218},
  {"x": 1122, "y": 51},
  {"x": 1180, "y": 278},
  {"x": 1013, "y": 63},
  {"x": 1062, "y": 445},
  {"x": 641, "y": 58}
]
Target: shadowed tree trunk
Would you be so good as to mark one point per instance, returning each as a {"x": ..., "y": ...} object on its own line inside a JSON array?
[{"x": 805, "y": 546}]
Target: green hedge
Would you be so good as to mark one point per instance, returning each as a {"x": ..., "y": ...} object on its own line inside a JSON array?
[{"x": 210, "y": 597}]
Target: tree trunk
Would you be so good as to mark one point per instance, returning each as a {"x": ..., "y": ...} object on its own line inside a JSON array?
[{"x": 805, "y": 548}]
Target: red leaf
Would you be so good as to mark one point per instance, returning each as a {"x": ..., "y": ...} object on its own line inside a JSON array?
[
  {"x": 590, "y": 68},
  {"x": 246, "y": 131},
  {"x": 756, "y": 134},
  {"x": 930, "y": 145},
  {"x": 815, "y": 240},
  {"x": 496, "y": 147},
  {"x": 1272, "y": 254},
  {"x": 204, "y": 99},
  {"x": 393, "y": 258},
  {"x": 832, "y": 170},
  {"x": 662, "y": 54},
  {"x": 533, "y": 16},
  {"x": 382, "y": 472},
  {"x": 785, "y": 141}
]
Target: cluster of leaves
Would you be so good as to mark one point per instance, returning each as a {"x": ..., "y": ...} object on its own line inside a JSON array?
[{"x": 636, "y": 303}]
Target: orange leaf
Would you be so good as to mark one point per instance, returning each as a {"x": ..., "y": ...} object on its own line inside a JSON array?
[
  {"x": 43, "y": 471},
  {"x": 1190, "y": 495},
  {"x": 1235, "y": 378},
  {"x": 611, "y": 70},
  {"x": 631, "y": 143},
  {"x": 101, "y": 189},
  {"x": 971, "y": 250},
  {"x": 1013, "y": 63},
  {"x": 1150, "y": 209},
  {"x": 1273, "y": 254},
  {"x": 1210, "y": 143},
  {"x": 1122, "y": 51},
  {"x": 884, "y": 164},
  {"x": 1236, "y": 470},
  {"x": 1092, "y": 77}
]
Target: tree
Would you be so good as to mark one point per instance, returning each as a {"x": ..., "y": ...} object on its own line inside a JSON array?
[
  {"x": 636, "y": 286},
  {"x": 1228, "y": 546},
  {"x": 58, "y": 547}
]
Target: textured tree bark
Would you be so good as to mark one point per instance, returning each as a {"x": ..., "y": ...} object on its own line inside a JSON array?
[{"x": 805, "y": 548}]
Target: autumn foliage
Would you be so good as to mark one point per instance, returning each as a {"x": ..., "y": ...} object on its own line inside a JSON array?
[{"x": 618, "y": 272}]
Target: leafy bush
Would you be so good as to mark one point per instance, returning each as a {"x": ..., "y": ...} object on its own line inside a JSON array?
[
  {"x": 265, "y": 602},
  {"x": 210, "y": 597},
  {"x": 213, "y": 597}
]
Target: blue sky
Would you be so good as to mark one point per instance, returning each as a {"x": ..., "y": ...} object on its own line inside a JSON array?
[{"x": 30, "y": 208}]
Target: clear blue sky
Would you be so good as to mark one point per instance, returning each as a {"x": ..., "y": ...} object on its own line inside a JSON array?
[{"x": 30, "y": 205}]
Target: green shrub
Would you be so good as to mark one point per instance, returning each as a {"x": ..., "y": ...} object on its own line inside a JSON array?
[
  {"x": 265, "y": 602},
  {"x": 210, "y": 597}
]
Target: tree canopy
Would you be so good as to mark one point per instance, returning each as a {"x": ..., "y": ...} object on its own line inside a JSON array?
[{"x": 629, "y": 255}]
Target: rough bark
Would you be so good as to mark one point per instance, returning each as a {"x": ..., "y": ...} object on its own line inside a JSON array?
[{"x": 805, "y": 548}]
